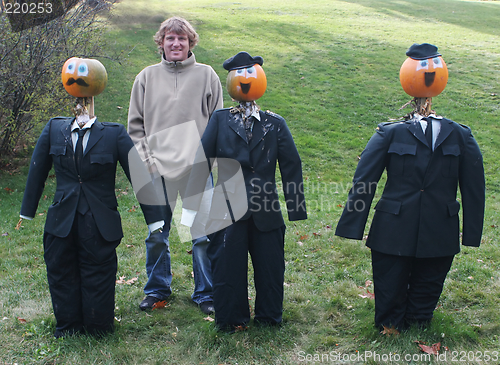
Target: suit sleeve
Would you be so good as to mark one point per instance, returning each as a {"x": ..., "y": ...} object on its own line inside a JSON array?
[
  {"x": 143, "y": 188},
  {"x": 368, "y": 172},
  {"x": 472, "y": 188},
  {"x": 290, "y": 166},
  {"x": 40, "y": 165}
]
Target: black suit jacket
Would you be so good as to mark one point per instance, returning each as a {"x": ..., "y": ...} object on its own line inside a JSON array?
[
  {"x": 417, "y": 214},
  {"x": 225, "y": 140},
  {"x": 108, "y": 143}
]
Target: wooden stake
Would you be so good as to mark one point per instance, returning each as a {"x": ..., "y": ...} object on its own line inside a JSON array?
[{"x": 90, "y": 106}]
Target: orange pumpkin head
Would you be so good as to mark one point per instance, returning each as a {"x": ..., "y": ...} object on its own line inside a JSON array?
[
  {"x": 424, "y": 73},
  {"x": 246, "y": 80},
  {"x": 84, "y": 77},
  {"x": 246, "y": 84}
]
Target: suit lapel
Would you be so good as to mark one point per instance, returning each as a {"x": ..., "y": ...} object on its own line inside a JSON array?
[
  {"x": 66, "y": 131},
  {"x": 445, "y": 131},
  {"x": 237, "y": 125},
  {"x": 95, "y": 135},
  {"x": 416, "y": 129},
  {"x": 260, "y": 129}
]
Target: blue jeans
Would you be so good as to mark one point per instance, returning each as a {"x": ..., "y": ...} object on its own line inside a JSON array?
[{"x": 158, "y": 265}]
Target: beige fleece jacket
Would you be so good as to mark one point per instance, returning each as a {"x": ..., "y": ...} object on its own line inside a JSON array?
[{"x": 170, "y": 105}]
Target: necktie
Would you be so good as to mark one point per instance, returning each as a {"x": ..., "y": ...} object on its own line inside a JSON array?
[
  {"x": 428, "y": 133},
  {"x": 248, "y": 128},
  {"x": 79, "y": 149},
  {"x": 83, "y": 206}
]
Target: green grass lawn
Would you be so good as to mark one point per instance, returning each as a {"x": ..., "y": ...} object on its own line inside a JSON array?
[{"x": 333, "y": 74}]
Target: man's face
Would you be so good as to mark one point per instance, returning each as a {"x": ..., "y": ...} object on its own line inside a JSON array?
[{"x": 176, "y": 47}]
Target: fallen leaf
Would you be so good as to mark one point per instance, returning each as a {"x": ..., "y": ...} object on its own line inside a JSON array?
[
  {"x": 121, "y": 280},
  {"x": 130, "y": 246},
  {"x": 131, "y": 281},
  {"x": 9, "y": 190},
  {"x": 390, "y": 331},
  {"x": 368, "y": 295},
  {"x": 189, "y": 252},
  {"x": 240, "y": 328},
  {"x": 434, "y": 349},
  {"x": 328, "y": 226},
  {"x": 210, "y": 319},
  {"x": 316, "y": 234},
  {"x": 21, "y": 320},
  {"x": 368, "y": 283},
  {"x": 160, "y": 304},
  {"x": 300, "y": 243},
  {"x": 5, "y": 234},
  {"x": 340, "y": 206},
  {"x": 304, "y": 237}
]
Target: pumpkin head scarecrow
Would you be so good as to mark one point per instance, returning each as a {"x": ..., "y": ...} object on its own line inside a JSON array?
[
  {"x": 250, "y": 143},
  {"x": 423, "y": 75},
  {"x": 84, "y": 78}
]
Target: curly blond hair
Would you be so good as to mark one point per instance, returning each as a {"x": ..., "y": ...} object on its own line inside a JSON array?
[{"x": 176, "y": 25}]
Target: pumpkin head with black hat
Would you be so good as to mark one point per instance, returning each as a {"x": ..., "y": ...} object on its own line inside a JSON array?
[
  {"x": 246, "y": 80},
  {"x": 423, "y": 75}
]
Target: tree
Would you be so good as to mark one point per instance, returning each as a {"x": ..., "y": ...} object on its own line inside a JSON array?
[{"x": 31, "y": 58}]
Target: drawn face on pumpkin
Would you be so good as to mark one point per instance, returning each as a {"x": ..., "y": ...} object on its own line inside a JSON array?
[
  {"x": 84, "y": 77},
  {"x": 423, "y": 78},
  {"x": 246, "y": 84}
]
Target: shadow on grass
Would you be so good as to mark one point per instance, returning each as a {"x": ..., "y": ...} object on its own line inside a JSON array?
[{"x": 477, "y": 16}]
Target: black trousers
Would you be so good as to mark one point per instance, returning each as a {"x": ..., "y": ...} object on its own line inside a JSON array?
[
  {"x": 407, "y": 289},
  {"x": 81, "y": 271},
  {"x": 228, "y": 253}
]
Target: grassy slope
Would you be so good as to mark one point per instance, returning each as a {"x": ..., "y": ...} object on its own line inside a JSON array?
[{"x": 332, "y": 69}]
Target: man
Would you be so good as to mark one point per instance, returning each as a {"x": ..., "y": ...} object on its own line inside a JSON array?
[
  {"x": 83, "y": 226},
  {"x": 414, "y": 234},
  {"x": 170, "y": 105},
  {"x": 246, "y": 140}
]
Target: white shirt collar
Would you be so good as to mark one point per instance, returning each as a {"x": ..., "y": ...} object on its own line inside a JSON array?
[
  {"x": 75, "y": 126},
  {"x": 418, "y": 117},
  {"x": 256, "y": 114}
]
